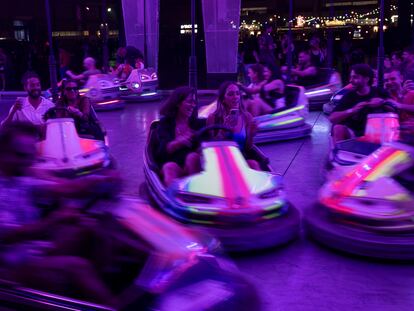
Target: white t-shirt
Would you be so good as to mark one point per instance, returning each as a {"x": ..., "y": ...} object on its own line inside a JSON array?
[{"x": 32, "y": 115}]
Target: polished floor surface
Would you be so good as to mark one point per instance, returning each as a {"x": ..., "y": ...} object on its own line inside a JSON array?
[{"x": 299, "y": 276}]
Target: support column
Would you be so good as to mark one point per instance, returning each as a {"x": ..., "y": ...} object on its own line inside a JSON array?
[
  {"x": 141, "y": 24},
  {"x": 221, "y": 29}
]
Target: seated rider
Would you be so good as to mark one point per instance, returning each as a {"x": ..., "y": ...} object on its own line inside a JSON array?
[
  {"x": 31, "y": 108},
  {"x": 230, "y": 112},
  {"x": 349, "y": 117},
  {"x": 305, "y": 74},
  {"x": 72, "y": 105},
  {"x": 89, "y": 64},
  {"x": 271, "y": 94},
  {"x": 177, "y": 150}
]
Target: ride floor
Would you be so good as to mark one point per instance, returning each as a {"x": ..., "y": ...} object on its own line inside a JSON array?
[{"x": 303, "y": 275}]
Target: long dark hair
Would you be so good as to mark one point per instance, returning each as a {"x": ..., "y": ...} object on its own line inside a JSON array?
[
  {"x": 170, "y": 108},
  {"x": 258, "y": 69},
  {"x": 63, "y": 100},
  {"x": 220, "y": 113}
]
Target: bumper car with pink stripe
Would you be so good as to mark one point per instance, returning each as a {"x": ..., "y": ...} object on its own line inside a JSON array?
[
  {"x": 157, "y": 264},
  {"x": 368, "y": 209},
  {"x": 244, "y": 208},
  {"x": 64, "y": 153},
  {"x": 381, "y": 128}
]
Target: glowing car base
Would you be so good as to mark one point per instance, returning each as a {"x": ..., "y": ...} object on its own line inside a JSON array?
[
  {"x": 369, "y": 209},
  {"x": 64, "y": 153},
  {"x": 246, "y": 209}
]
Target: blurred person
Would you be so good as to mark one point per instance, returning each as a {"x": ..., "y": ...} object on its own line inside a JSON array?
[
  {"x": 285, "y": 49},
  {"x": 318, "y": 55},
  {"x": 393, "y": 84},
  {"x": 89, "y": 64},
  {"x": 3, "y": 64},
  {"x": 177, "y": 149},
  {"x": 27, "y": 241},
  {"x": 408, "y": 64},
  {"x": 64, "y": 62},
  {"x": 305, "y": 73},
  {"x": 76, "y": 107},
  {"x": 387, "y": 63},
  {"x": 348, "y": 117},
  {"x": 139, "y": 63},
  {"x": 123, "y": 71},
  {"x": 267, "y": 47},
  {"x": 249, "y": 55},
  {"x": 270, "y": 94},
  {"x": 31, "y": 108},
  {"x": 396, "y": 60},
  {"x": 230, "y": 112}
]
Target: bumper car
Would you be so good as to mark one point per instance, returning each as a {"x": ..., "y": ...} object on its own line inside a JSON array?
[
  {"x": 368, "y": 209},
  {"x": 320, "y": 93},
  {"x": 157, "y": 265},
  {"x": 103, "y": 92},
  {"x": 381, "y": 128},
  {"x": 64, "y": 153},
  {"x": 281, "y": 124},
  {"x": 141, "y": 86},
  {"x": 334, "y": 101},
  {"x": 244, "y": 208}
]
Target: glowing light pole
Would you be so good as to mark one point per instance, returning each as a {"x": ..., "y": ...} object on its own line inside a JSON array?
[
  {"x": 290, "y": 52},
  {"x": 52, "y": 60},
  {"x": 192, "y": 74},
  {"x": 380, "y": 69}
]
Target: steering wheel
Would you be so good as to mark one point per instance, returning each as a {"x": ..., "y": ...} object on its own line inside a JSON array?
[
  {"x": 52, "y": 113},
  {"x": 202, "y": 134}
]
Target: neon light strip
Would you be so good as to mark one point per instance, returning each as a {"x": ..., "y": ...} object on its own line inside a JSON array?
[
  {"x": 109, "y": 102},
  {"x": 287, "y": 122},
  {"x": 287, "y": 111},
  {"x": 149, "y": 94},
  {"x": 318, "y": 92}
]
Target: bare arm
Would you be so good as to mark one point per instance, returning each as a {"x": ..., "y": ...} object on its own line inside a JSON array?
[
  {"x": 311, "y": 71},
  {"x": 75, "y": 77},
  {"x": 339, "y": 116}
]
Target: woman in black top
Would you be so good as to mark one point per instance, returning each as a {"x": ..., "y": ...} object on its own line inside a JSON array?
[{"x": 176, "y": 150}]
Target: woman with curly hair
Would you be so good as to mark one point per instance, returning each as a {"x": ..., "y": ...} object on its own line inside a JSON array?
[{"x": 177, "y": 149}]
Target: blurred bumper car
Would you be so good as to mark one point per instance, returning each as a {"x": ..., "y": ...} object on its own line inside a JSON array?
[
  {"x": 103, "y": 92},
  {"x": 64, "y": 153},
  {"x": 158, "y": 265},
  {"x": 141, "y": 86},
  {"x": 244, "y": 208},
  {"x": 320, "y": 93},
  {"x": 368, "y": 209},
  {"x": 381, "y": 128}
]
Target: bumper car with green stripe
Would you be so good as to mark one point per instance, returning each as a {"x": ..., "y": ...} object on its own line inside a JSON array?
[
  {"x": 368, "y": 209},
  {"x": 244, "y": 208},
  {"x": 285, "y": 123}
]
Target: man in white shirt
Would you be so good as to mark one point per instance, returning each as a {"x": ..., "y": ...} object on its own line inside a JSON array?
[{"x": 32, "y": 108}]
